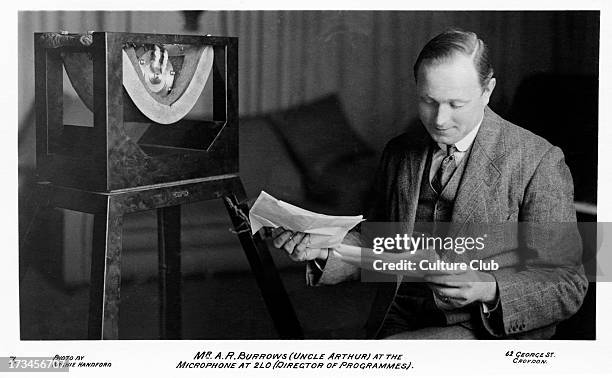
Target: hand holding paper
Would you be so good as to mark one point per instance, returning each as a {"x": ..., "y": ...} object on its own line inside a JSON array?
[
  {"x": 326, "y": 231},
  {"x": 303, "y": 234}
]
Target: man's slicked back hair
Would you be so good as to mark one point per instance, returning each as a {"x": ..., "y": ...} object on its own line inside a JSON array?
[{"x": 453, "y": 41}]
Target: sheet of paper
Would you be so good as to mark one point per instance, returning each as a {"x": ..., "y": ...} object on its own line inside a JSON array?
[{"x": 327, "y": 231}]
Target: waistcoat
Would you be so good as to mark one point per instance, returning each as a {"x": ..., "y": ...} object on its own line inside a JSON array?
[{"x": 432, "y": 208}]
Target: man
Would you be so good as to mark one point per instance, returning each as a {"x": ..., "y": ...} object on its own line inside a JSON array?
[{"x": 467, "y": 165}]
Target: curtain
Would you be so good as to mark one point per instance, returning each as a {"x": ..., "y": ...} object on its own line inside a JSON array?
[{"x": 290, "y": 57}]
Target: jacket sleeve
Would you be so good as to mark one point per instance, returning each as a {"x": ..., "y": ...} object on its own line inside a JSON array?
[
  {"x": 549, "y": 284},
  {"x": 336, "y": 270}
]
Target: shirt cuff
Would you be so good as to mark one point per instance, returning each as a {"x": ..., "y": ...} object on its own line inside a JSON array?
[
  {"x": 319, "y": 264},
  {"x": 488, "y": 309}
]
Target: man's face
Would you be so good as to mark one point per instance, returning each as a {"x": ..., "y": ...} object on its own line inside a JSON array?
[{"x": 450, "y": 97}]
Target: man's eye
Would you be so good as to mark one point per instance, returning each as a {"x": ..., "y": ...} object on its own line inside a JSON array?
[
  {"x": 427, "y": 100},
  {"x": 457, "y": 106}
]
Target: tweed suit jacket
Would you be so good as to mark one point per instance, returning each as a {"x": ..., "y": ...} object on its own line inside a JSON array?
[{"x": 511, "y": 176}]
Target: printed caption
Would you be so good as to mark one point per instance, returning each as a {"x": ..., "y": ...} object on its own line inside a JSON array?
[{"x": 296, "y": 360}]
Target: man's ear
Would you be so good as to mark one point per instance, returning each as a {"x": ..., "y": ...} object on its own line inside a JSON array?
[{"x": 488, "y": 90}]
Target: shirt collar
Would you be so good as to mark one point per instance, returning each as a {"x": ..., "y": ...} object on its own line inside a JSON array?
[{"x": 467, "y": 140}]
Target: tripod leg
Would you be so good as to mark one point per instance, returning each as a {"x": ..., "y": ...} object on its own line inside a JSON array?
[
  {"x": 105, "y": 273},
  {"x": 169, "y": 246},
  {"x": 267, "y": 277}
]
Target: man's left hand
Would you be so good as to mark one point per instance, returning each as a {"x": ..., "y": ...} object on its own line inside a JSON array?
[{"x": 458, "y": 289}]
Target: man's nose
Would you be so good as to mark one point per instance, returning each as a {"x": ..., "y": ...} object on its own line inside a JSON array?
[{"x": 442, "y": 114}]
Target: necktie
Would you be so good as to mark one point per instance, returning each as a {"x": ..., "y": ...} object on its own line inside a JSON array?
[{"x": 447, "y": 167}]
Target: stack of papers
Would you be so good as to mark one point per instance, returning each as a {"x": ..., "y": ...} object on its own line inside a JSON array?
[{"x": 326, "y": 231}]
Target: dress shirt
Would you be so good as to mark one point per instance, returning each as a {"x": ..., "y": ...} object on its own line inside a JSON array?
[{"x": 462, "y": 149}]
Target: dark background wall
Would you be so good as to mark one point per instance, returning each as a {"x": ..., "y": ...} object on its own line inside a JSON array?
[{"x": 289, "y": 57}]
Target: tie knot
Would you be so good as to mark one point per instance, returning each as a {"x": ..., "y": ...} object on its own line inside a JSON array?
[{"x": 450, "y": 149}]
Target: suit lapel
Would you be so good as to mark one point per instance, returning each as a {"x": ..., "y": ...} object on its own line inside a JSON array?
[
  {"x": 480, "y": 172},
  {"x": 403, "y": 208},
  {"x": 414, "y": 165}
]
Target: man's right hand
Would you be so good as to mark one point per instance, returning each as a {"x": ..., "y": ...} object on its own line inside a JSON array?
[{"x": 296, "y": 244}]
